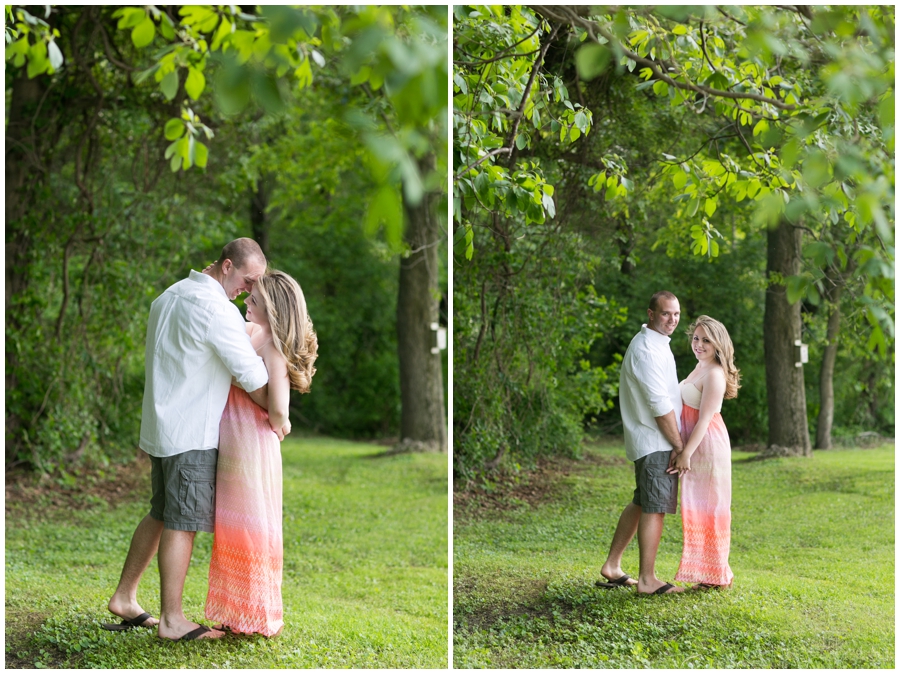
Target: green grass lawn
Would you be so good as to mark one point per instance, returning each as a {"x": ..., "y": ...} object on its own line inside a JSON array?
[
  {"x": 365, "y": 572},
  {"x": 812, "y": 552}
]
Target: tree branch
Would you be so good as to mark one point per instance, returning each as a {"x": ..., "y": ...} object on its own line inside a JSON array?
[
  {"x": 492, "y": 60},
  {"x": 492, "y": 153},
  {"x": 593, "y": 28},
  {"x": 703, "y": 47},
  {"x": 538, "y": 63}
]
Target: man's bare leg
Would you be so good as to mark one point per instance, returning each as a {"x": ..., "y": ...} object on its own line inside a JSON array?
[
  {"x": 144, "y": 544},
  {"x": 649, "y": 533},
  {"x": 625, "y": 530},
  {"x": 175, "y": 549}
]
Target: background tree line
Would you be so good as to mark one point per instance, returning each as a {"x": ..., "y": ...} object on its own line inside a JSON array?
[
  {"x": 141, "y": 139},
  {"x": 740, "y": 157}
]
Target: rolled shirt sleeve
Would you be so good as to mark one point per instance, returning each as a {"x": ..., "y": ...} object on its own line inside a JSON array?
[
  {"x": 651, "y": 380},
  {"x": 229, "y": 340}
]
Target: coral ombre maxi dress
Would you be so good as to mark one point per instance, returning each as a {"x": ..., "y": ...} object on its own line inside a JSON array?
[
  {"x": 705, "y": 498},
  {"x": 247, "y": 555}
]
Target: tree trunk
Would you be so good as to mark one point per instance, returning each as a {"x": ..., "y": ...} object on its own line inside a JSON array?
[
  {"x": 826, "y": 377},
  {"x": 422, "y": 416},
  {"x": 788, "y": 429},
  {"x": 22, "y": 175}
]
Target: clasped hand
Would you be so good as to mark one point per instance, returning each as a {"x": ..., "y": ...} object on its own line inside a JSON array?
[
  {"x": 679, "y": 462},
  {"x": 283, "y": 431}
]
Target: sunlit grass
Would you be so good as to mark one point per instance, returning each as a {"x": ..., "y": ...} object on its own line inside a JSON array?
[
  {"x": 812, "y": 552},
  {"x": 365, "y": 577}
]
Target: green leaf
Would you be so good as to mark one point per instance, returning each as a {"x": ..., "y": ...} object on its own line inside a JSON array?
[
  {"x": 305, "y": 77},
  {"x": 203, "y": 18},
  {"x": 143, "y": 33},
  {"x": 813, "y": 295},
  {"x": 232, "y": 88},
  {"x": 591, "y": 60},
  {"x": 166, "y": 29},
  {"x": 710, "y": 206},
  {"x": 174, "y": 129},
  {"x": 37, "y": 59},
  {"x": 362, "y": 75},
  {"x": 581, "y": 121},
  {"x": 284, "y": 21},
  {"x": 265, "y": 90},
  {"x": 796, "y": 288},
  {"x": 201, "y": 154},
  {"x": 131, "y": 16},
  {"x": 172, "y": 149},
  {"x": 386, "y": 208},
  {"x": 195, "y": 83},
  {"x": 819, "y": 252},
  {"x": 169, "y": 85}
]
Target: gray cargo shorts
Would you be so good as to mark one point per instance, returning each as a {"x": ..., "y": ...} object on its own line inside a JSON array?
[
  {"x": 184, "y": 490},
  {"x": 656, "y": 490}
]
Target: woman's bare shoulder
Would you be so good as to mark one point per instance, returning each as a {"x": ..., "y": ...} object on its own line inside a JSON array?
[
  {"x": 274, "y": 360},
  {"x": 717, "y": 377}
]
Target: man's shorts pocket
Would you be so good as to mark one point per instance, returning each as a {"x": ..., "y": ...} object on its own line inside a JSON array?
[
  {"x": 659, "y": 489},
  {"x": 198, "y": 492}
]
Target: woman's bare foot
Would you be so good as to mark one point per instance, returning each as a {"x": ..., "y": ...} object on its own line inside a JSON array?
[{"x": 706, "y": 587}]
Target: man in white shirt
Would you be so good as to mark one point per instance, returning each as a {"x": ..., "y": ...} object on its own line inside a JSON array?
[
  {"x": 196, "y": 343},
  {"x": 650, "y": 402}
]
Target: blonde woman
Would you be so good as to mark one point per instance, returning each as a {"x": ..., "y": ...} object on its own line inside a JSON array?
[
  {"x": 247, "y": 557},
  {"x": 705, "y": 463}
]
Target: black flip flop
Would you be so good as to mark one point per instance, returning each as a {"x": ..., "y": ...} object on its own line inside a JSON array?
[
  {"x": 195, "y": 634},
  {"x": 612, "y": 584},
  {"x": 662, "y": 590},
  {"x": 126, "y": 624}
]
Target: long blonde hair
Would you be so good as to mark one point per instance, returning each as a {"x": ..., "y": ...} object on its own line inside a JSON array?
[
  {"x": 718, "y": 335},
  {"x": 292, "y": 328}
]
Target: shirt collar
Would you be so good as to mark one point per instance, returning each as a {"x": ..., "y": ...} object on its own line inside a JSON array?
[
  {"x": 653, "y": 334},
  {"x": 208, "y": 280}
]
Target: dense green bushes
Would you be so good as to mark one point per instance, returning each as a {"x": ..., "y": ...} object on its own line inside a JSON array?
[
  {"x": 102, "y": 226},
  {"x": 525, "y": 321}
]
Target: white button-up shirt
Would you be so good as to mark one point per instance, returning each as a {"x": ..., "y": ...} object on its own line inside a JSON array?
[
  {"x": 648, "y": 388},
  {"x": 196, "y": 341}
]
